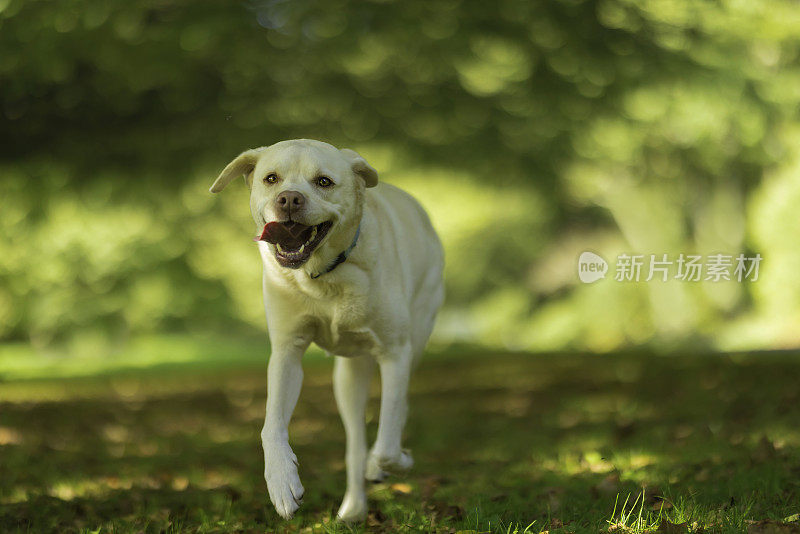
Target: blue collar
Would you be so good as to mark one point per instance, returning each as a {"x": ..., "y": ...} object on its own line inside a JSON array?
[{"x": 342, "y": 256}]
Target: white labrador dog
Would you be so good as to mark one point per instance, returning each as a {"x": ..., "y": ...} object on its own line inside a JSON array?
[{"x": 356, "y": 267}]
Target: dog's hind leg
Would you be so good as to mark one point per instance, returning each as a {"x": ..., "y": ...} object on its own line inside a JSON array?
[
  {"x": 351, "y": 378},
  {"x": 387, "y": 453}
]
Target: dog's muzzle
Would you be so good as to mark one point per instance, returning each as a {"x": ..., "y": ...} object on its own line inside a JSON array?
[{"x": 294, "y": 242}]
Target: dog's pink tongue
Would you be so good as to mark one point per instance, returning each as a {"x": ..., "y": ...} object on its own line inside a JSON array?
[
  {"x": 275, "y": 232},
  {"x": 288, "y": 234}
]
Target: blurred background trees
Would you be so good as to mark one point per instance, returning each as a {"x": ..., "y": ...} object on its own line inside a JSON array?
[{"x": 531, "y": 131}]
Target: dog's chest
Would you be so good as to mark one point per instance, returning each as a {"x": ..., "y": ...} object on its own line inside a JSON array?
[
  {"x": 344, "y": 328},
  {"x": 351, "y": 342}
]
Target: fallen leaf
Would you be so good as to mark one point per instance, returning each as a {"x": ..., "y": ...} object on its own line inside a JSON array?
[
  {"x": 9, "y": 436},
  {"x": 401, "y": 487}
]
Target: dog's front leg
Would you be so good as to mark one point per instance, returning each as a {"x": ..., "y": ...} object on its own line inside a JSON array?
[
  {"x": 284, "y": 379},
  {"x": 387, "y": 453}
]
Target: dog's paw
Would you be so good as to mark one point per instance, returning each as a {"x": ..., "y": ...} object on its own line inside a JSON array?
[
  {"x": 374, "y": 473},
  {"x": 283, "y": 482},
  {"x": 378, "y": 464},
  {"x": 353, "y": 509}
]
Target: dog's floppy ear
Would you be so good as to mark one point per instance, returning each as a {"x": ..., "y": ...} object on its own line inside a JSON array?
[
  {"x": 242, "y": 165},
  {"x": 361, "y": 167}
]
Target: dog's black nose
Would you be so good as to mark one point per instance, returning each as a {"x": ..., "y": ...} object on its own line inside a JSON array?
[{"x": 289, "y": 202}]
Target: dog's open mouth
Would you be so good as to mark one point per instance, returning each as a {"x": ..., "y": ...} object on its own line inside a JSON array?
[{"x": 294, "y": 242}]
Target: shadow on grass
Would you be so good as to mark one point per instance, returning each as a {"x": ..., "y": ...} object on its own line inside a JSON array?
[{"x": 498, "y": 440}]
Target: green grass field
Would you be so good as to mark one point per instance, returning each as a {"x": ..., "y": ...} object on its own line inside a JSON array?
[{"x": 502, "y": 443}]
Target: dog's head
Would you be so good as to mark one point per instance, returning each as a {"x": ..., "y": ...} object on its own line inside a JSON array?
[{"x": 306, "y": 197}]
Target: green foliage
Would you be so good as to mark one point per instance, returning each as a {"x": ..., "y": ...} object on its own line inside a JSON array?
[{"x": 548, "y": 127}]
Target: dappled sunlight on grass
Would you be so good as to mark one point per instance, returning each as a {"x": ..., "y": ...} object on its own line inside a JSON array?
[{"x": 498, "y": 440}]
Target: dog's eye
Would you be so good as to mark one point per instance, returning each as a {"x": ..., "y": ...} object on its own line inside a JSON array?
[
  {"x": 324, "y": 181},
  {"x": 271, "y": 178}
]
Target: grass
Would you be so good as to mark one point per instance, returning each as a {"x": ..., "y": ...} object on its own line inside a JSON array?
[{"x": 502, "y": 443}]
